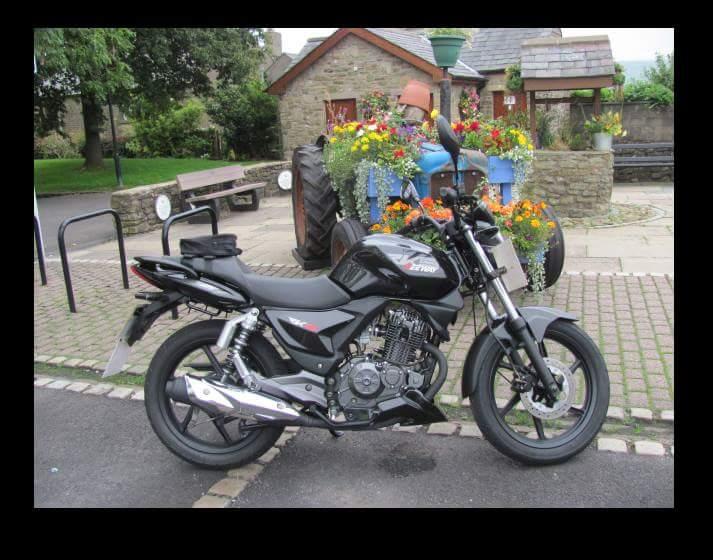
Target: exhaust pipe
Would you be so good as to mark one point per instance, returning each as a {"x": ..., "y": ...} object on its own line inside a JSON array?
[{"x": 218, "y": 398}]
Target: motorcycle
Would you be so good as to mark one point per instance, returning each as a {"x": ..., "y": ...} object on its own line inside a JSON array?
[{"x": 358, "y": 349}]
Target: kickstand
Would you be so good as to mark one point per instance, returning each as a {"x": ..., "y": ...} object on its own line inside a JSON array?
[{"x": 336, "y": 433}]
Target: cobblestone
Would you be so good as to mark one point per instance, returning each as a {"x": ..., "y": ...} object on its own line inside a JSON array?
[
  {"x": 470, "y": 429},
  {"x": 78, "y": 387},
  {"x": 611, "y": 444},
  {"x": 642, "y": 414},
  {"x": 120, "y": 393},
  {"x": 443, "y": 428},
  {"x": 211, "y": 502},
  {"x": 649, "y": 448},
  {"x": 59, "y": 384},
  {"x": 615, "y": 308},
  {"x": 228, "y": 487}
]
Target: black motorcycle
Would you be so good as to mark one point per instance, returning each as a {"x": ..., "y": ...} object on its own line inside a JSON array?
[{"x": 359, "y": 348}]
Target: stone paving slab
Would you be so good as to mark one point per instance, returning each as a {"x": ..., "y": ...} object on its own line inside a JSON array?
[{"x": 629, "y": 317}]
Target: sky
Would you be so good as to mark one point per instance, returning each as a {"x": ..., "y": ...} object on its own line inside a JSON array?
[{"x": 627, "y": 43}]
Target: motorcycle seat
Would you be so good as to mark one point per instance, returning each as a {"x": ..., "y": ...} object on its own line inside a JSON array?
[{"x": 270, "y": 291}]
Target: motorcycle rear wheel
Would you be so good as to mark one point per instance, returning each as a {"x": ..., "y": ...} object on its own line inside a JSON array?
[
  {"x": 219, "y": 444},
  {"x": 532, "y": 440}
]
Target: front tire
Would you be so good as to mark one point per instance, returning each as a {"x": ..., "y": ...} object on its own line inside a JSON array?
[
  {"x": 166, "y": 418},
  {"x": 504, "y": 426}
]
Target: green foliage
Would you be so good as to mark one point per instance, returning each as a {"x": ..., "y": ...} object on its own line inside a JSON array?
[
  {"x": 513, "y": 78},
  {"x": 248, "y": 116},
  {"x": 575, "y": 141},
  {"x": 656, "y": 95},
  {"x": 662, "y": 72},
  {"x": 544, "y": 128},
  {"x": 518, "y": 119},
  {"x": 453, "y": 31},
  {"x": 340, "y": 161},
  {"x": 55, "y": 146},
  {"x": 172, "y": 133},
  {"x": 619, "y": 77}
]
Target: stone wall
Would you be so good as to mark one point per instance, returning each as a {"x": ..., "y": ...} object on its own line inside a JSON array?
[
  {"x": 575, "y": 184},
  {"x": 641, "y": 123},
  {"x": 350, "y": 70},
  {"x": 136, "y": 206}
]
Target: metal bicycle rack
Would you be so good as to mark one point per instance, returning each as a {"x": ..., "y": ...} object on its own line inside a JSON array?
[
  {"x": 40, "y": 253},
  {"x": 63, "y": 250},
  {"x": 180, "y": 217}
]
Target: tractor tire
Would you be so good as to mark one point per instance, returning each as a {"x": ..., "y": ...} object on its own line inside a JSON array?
[
  {"x": 554, "y": 258},
  {"x": 314, "y": 203},
  {"x": 344, "y": 235}
]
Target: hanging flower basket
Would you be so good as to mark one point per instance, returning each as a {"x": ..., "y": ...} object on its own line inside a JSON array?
[{"x": 446, "y": 49}]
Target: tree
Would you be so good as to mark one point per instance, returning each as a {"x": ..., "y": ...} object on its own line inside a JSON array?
[
  {"x": 143, "y": 69},
  {"x": 249, "y": 117},
  {"x": 90, "y": 62},
  {"x": 662, "y": 72}
]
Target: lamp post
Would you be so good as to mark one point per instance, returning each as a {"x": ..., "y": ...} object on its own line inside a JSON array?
[{"x": 446, "y": 95}]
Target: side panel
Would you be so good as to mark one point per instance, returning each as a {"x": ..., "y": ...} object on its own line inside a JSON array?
[{"x": 318, "y": 340}]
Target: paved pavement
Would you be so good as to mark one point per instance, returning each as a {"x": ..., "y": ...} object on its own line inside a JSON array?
[
  {"x": 54, "y": 210},
  {"x": 393, "y": 470},
  {"x": 267, "y": 236},
  {"x": 109, "y": 457},
  {"x": 106, "y": 455},
  {"x": 629, "y": 317}
]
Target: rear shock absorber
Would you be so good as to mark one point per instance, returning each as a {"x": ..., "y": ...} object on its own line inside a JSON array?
[{"x": 248, "y": 324}]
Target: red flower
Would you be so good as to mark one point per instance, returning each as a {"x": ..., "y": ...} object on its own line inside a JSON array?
[
  {"x": 392, "y": 130},
  {"x": 359, "y": 126},
  {"x": 475, "y": 125},
  {"x": 459, "y": 127},
  {"x": 381, "y": 127},
  {"x": 495, "y": 133},
  {"x": 399, "y": 153}
]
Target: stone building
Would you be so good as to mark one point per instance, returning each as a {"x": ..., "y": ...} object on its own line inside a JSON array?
[{"x": 352, "y": 62}]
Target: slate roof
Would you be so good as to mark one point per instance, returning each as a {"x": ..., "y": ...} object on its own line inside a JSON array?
[
  {"x": 581, "y": 57},
  {"x": 496, "y": 48},
  {"x": 412, "y": 42}
]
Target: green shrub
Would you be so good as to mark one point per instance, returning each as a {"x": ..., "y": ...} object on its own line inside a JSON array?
[
  {"x": 55, "y": 146},
  {"x": 519, "y": 119},
  {"x": 249, "y": 119},
  {"x": 656, "y": 95},
  {"x": 544, "y": 129},
  {"x": 174, "y": 132},
  {"x": 513, "y": 78}
]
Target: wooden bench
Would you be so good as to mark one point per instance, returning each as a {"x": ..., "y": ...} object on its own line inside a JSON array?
[
  {"x": 643, "y": 161},
  {"x": 188, "y": 183}
]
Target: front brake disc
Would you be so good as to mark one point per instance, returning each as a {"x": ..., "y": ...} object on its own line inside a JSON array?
[{"x": 565, "y": 398}]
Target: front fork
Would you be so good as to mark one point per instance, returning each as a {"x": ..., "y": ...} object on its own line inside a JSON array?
[{"x": 516, "y": 325}]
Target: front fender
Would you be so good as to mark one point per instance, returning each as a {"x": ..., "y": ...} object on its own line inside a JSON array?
[{"x": 537, "y": 319}]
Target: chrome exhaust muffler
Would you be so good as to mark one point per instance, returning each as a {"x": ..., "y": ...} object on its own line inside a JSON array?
[{"x": 218, "y": 398}]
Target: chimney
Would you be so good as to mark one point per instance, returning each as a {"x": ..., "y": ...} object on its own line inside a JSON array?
[{"x": 274, "y": 40}]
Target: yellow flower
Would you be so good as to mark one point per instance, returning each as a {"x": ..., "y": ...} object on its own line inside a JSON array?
[
  {"x": 529, "y": 147},
  {"x": 365, "y": 147},
  {"x": 375, "y": 227},
  {"x": 535, "y": 223},
  {"x": 522, "y": 140},
  {"x": 543, "y": 205},
  {"x": 434, "y": 114},
  {"x": 386, "y": 229},
  {"x": 551, "y": 225},
  {"x": 354, "y": 148},
  {"x": 332, "y": 140},
  {"x": 338, "y": 129},
  {"x": 518, "y": 219}
]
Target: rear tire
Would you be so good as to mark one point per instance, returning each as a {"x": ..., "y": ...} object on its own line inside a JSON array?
[
  {"x": 314, "y": 203},
  {"x": 162, "y": 367},
  {"x": 344, "y": 235},
  {"x": 554, "y": 258}
]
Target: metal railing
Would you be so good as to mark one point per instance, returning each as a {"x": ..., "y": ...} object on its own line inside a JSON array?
[
  {"x": 63, "y": 250},
  {"x": 180, "y": 217},
  {"x": 40, "y": 252}
]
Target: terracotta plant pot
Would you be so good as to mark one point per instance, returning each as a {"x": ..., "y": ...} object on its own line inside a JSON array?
[{"x": 446, "y": 49}]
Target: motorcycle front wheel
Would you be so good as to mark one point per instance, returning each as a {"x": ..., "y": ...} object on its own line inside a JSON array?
[{"x": 520, "y": 424}]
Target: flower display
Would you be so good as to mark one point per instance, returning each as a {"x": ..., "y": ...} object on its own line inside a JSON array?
[
  {"x": 378, "y": 146},
  {"x": 608, "y": 123},
  {"x": 399, "y": 214},
  {"x": 469, "y": 104}
]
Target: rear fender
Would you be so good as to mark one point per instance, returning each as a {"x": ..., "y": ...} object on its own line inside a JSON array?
[
  {"x": 145, "y": 315},
  {"x": 537, "y": 319}
]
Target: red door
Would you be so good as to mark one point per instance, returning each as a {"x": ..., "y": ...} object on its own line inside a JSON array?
[
  {"x": 499, "y": 107},
  {"x": 340, "y": 110}
]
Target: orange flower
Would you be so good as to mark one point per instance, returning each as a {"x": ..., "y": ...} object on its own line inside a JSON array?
[
  {"x": 386, "y": 229},
  {"x": 375, "y": 227},
  {"x": 411, "y": 215}
]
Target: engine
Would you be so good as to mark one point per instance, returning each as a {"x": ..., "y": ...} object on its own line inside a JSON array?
[{"x": 367, "y": 379}]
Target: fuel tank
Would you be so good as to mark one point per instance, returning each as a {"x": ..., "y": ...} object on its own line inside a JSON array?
[{"x": 395, "y": 266}]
